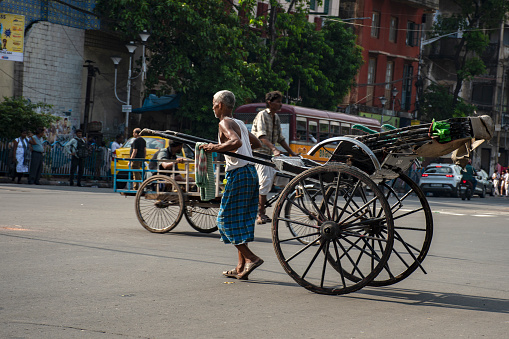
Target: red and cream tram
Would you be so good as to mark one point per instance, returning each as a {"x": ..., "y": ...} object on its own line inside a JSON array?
[{"x": 304, "y": 127}]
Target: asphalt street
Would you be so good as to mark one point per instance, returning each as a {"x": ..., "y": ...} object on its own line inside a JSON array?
[{"x": 76, "y": 263}]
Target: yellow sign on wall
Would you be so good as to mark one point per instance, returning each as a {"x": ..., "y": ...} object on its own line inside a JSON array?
[{"x": 12, "y": 32}]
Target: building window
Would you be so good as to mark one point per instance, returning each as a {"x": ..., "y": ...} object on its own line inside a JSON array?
[
  {"x": 406, "y": 96},
  {"x": 371, "y": 71},
  {"x": 482, "y": 94},
  {"x": 412, "y": 33},
  {"x": 375, "y": 25},
  {"x": 371, "y": 81},
  {"x": 389, "y": 71},
  {"x": 393, "y": 29}
]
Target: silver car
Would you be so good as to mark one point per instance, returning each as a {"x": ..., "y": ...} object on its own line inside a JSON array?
[
  {"x": 441, "y": 179},
  {"x": 484, "y": 184}
]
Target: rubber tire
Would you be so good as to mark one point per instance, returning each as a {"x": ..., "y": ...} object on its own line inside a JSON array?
[{"x": 483, "y": 193}]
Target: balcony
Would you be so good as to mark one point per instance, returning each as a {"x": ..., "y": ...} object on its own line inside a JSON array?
[
  {"x": 490, "y": 55},
  {"x": 444, "y": 48},
  {"x": 426, "y": 4}
]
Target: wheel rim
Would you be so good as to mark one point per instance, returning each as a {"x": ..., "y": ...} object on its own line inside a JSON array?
[
  {"x": 159, "y": 204},
  {"x": 202, "y": 219},
  {"x": 413, "y": 230},
  {"x": 346, "y": 225}
]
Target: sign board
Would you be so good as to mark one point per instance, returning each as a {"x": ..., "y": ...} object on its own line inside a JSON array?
[
  {"x": 12, "y": 33},
  {"x": 415, "y": 122},
  {"x": 127, "y": 108}
]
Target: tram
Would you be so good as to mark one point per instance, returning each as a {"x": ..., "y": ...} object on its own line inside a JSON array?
[{"x": 305, "y": 127}]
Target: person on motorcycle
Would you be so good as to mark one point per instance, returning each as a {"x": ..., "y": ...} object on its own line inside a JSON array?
[{"x": 469, "y": 175}]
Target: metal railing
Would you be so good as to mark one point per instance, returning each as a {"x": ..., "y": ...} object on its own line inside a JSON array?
[{"x": 57, "y": 163}]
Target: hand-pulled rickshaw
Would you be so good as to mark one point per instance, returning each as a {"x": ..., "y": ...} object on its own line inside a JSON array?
[{"x": 356, "y": 220}]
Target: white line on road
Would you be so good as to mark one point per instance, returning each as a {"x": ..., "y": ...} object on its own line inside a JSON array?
[{"x": 451, "y": 213}]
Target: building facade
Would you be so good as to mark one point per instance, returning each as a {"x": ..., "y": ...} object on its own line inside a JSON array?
[
  {"x": 389, "y": 33},
  {"x": 488, "y": 92}
]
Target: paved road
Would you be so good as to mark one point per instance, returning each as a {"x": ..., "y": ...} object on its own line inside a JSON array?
[{"x": 75, "y": 263}]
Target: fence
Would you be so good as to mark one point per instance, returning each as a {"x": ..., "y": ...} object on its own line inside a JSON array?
[{"x": 58, "y": 163}]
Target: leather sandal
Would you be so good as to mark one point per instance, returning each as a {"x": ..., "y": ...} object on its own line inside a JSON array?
[
  {"x": 263, "y": 219},
  {"x": 248, "y": 268},
  {"x": 232, "y": 274}
]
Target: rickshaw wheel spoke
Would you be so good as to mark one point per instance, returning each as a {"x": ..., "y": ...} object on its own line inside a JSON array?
[
  {"x": 203, "y": 219},
  {"x": 339, "y": 196},
  {"x": 413, "y": 226}
]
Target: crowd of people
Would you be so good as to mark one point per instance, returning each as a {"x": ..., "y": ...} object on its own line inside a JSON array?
[
  {"x": 501, "y": 182},
  {"x": 26, "y": 153}
]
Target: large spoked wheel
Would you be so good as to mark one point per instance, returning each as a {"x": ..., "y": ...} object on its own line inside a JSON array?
[
  {"x": 159, "y": 204},
  {"x": 413, "y": 229},
  {"x": 346, "y": 216},
  {"x": 202, "y": 216}
]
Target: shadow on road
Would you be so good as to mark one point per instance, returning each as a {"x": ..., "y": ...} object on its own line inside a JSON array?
[{"x": 433, "y": 299}]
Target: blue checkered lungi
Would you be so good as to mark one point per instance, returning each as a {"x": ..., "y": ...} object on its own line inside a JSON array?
[{"x": 239, "y": 206}]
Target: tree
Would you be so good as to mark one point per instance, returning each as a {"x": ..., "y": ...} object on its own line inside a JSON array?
[
  {"x": 17, "y": 114},
  {"x": 199, "y": 47},
  {"x": 325, "y": 85},
  {"x": 436, "y": 104},
  {"x": 475, "y": 18}
]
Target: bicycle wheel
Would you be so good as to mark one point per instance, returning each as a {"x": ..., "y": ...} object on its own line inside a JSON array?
[
  {"x": 159, "y": 204},
  {"x": 413, "y": 230},
  {"x": 202, "y": 216},
  {"x": 347, "y": 216}
]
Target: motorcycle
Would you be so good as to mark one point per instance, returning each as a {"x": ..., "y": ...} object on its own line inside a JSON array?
[{"x": 466, "y": 189}]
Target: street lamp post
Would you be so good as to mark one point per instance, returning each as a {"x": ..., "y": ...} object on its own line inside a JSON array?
[
  {"x": 383, "y": 101},
  {"x": 131, "y": 47},
  {"x": 394, "y": 93}
]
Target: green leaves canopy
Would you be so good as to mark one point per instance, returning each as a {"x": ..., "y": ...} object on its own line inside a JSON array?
[
  {"x": 17, "y": 114},
  {"x": 198, "y": 47},
  {"x": 475, "y": 19}
]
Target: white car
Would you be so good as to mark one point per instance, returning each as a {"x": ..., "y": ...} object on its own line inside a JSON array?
[
  {"x": 441, "y": 179},
  {"x": 484, "y": 184}
]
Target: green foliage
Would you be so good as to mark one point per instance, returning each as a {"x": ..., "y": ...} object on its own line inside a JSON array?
[
  {"x": 18, "y": 114},
  {"x": 436, "y": 104},
  {"x": 199, "y": 47},
  {"x": 335, "y": 70},
  {"x": 475, "y": 19}
]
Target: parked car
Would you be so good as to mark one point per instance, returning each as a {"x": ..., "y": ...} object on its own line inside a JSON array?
[
  {"x": 153, "y": 145},
  {"x": 441, "y": 179},
  {"x": 484, "y": 184}
]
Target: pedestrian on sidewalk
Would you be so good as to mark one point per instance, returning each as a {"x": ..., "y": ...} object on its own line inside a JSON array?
[
  {"x": 36, "y": 162},
  {"x": 237, "y": 213},
  {"x": 138, "y": 151},
  {"x": 496, "y": 182},
  {"x": 21, "y": 155},
  {"x": 77, "y": 149},
  {"x": 119, "y": 141},
  {"x": 506, "y": 182}
]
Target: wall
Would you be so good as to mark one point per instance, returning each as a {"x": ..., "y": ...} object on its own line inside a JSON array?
[
  {"x": 384, "y": 50},
  {"x": 6, "y": 78},
  {"x": 52, "y": 70}
]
